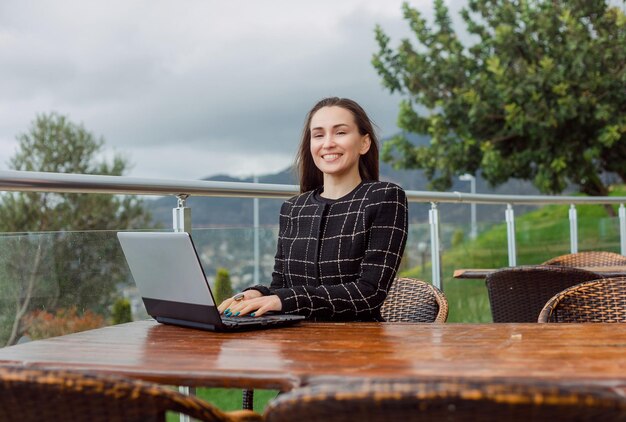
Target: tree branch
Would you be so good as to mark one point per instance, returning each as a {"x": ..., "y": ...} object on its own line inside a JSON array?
[{"x": 21, "y": 309}]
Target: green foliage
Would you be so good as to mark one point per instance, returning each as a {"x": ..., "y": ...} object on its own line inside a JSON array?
[
  {"x": 54, "y": 268},
  {"x": 223, "y": 287},
  {"x": 121, "y": 312},
  {"x": 539, "y": 94},
  {"x": 540, "y": 235},
  {"x": 457, "y": 237}
]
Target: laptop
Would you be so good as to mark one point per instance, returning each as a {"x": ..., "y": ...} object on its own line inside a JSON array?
[{"x": 174, "y": 288}]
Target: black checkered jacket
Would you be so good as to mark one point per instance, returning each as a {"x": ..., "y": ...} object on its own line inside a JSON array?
[{"x": 336, "y": 259}]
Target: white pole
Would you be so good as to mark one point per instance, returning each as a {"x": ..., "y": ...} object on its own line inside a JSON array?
[
  {"x": 510, "y": 231},
  {"x": 573, "y": 229},
  {"x": 433, "y": 218},
  {"x": 181, "y": 215},
  {"x": 257, "y": 260},
  {"x": 622, "y": 228},
  {"x": 474, "y": 229}
]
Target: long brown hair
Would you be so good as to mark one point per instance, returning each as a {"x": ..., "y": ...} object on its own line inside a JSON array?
[{"x": 310, "y": 176}]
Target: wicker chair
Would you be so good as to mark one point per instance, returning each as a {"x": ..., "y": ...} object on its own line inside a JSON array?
[
  {"x": 518, "y": 294},
  {"x": 601, "y": 300},
  {"x": 402, "y": 400},
  {"x": 588, "y": 259},
  {"x": 54, "y": 395},
  {"x": 411, "y": 300},
  {"x": 408, "y": 300}
]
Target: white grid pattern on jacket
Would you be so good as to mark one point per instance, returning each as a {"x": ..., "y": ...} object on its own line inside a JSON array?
[{"x": 336, "y": 259}]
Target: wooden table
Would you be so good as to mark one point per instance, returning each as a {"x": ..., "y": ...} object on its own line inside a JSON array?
[
  {"x": 288, "y": 357},
  {"x": 607, "y": 271}
]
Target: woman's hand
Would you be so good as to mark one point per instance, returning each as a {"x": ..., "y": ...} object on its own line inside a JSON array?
[
  {"x": 255, "y": 306},
  {"x": 248, "y": 294}
]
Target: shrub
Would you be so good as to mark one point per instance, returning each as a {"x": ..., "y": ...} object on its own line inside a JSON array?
[
  {"x": 41, "y": 324},
  {"x": 223, "y": 286},
  {"x": 121, "y": 312}
]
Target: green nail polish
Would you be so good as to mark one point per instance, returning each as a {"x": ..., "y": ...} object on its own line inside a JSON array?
[
  {"x": 252, "y": 314},
  {"x": 237, "y": 314}
]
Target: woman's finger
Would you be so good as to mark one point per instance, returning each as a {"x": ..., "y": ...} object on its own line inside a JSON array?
[
  {"x": 225, "y": 304},
  {"x": 272, "y": 303},
  {"x": 261, "y": 311},
  {"x": 246, "y": 310},
  {"x": 239, "y": 306},
  {"x": 251, "y": 305}
]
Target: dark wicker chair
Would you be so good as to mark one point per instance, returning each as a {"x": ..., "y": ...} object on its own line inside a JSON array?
[
  {"x": 411, "y": 300},
  {"x": 601, "y": 300},
  {"x": 54, "y": 395},
  {"x": 518, "y": 294},
  {"x": 446, "y": 401},
  {"x": 588, "y": 259},
  {"x": 408, "y": 300}
]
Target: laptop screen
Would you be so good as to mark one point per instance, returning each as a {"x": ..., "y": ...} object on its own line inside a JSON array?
[{"x": 165, "y": 266}]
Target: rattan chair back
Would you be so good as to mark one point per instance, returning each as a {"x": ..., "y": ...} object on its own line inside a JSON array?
[
  {"x": 518, "y": 294},
  {"x": 412, "y": 300},
  {"x": 588, "y": 259},
  {"x": 408, "y": 300},
  {"x": 30, "y": 395},
  {"x": 402, "y": 400},
  {"x": 601, "y": 300}
]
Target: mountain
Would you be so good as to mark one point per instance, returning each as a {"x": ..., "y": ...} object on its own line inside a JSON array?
[{"x": 237, "y": 212}]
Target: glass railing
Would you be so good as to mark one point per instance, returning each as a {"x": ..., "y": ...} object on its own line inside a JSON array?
[{"x": 54, "y": 283}]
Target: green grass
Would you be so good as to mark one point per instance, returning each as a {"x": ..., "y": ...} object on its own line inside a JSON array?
[
  {"x": 228, "y": 399},
  {"x": 540, "y": 235}
]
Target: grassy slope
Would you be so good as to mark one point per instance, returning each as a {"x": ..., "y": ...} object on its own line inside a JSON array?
[{"x": 540, "y": 235}]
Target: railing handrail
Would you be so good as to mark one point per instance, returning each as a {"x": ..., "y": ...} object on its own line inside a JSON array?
[
  {"x": 27, "y": 181},
  {"x": 31, "y": 181}
]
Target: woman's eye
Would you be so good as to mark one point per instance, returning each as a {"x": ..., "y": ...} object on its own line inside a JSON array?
[
  {"x": 341, "y": 132},
  {"x": 318, "y": 135}
]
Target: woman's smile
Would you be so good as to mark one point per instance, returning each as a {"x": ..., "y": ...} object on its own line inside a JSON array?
[{"x": 330, "y": 157}]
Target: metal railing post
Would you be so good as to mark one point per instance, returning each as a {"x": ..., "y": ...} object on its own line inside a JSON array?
[
  {"x": 189, "y": 391},
  {"x": 573, "y": 229},
  {"x": 622, "y": 229},
  {"x": 257, "y": 260},
  {"x": 433, "y": 219},
  {"x": 181, "y": 215},
  {"x": 510, "y": 234}
]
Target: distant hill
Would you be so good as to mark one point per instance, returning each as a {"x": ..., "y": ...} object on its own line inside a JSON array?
[{"x": 237, "y": 212}]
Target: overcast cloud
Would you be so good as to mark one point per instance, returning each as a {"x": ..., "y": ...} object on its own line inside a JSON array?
[{"x": 189, "y": 89}]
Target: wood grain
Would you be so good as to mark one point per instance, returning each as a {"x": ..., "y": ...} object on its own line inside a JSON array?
[{"x": 287, "y": 357}]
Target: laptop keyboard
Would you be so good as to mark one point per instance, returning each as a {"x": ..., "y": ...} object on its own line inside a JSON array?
[
  {"x": 241, "y": 318},
  {"x": 260, "y": 320}
]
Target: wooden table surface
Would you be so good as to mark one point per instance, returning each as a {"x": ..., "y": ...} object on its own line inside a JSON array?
[
  {"x": 288, "y": 357},
  {"x": 474, "y": 273}
]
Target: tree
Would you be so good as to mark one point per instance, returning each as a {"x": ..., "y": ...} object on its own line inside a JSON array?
[
  {"x": 539, "y": 95},
  {"x": 223, "y": 286},
  {"x": 121, "y": 311},
  {"x": 54, "y": 267}
]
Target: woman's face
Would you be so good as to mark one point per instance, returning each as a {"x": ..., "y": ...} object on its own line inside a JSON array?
[{"x": 336, "y": 144}]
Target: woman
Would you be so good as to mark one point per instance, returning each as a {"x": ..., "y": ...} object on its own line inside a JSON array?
[{"x": 341, "y": 240}]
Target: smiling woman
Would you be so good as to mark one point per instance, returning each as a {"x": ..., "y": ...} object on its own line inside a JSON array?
[
  {"x": 341, "y": 240},
  {"x": 336, "y": 148}
]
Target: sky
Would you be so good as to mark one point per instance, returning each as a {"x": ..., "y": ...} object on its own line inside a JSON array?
[{"x": 189, "y": 89}]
